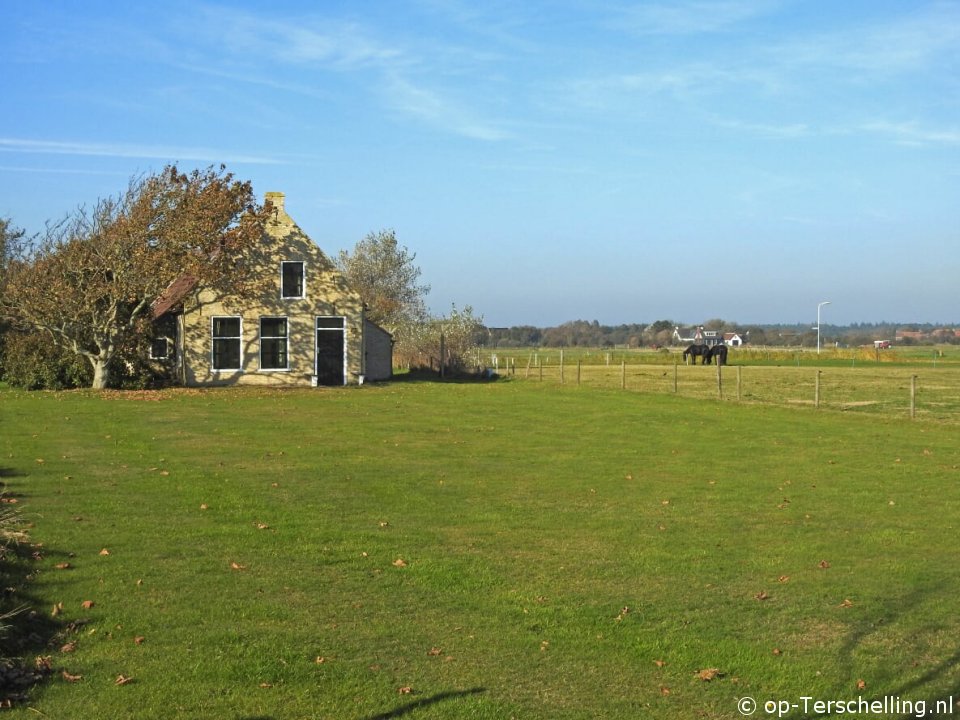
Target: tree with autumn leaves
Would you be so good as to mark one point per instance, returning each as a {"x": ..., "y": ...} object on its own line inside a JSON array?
[{"x": 87, "y": 285}]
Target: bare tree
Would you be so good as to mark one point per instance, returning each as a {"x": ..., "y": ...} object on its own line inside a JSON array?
[
  {"x": 89, "y": 282},
  {"x": 387, "y": 279}
]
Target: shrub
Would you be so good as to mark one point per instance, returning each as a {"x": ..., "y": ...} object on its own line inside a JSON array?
[{"x": 32, "y": 362}]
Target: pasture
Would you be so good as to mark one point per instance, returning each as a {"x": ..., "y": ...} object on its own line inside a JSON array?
[{"x": 513, "y": 549}]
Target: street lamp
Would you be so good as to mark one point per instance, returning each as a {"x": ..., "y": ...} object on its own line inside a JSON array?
[{"x": 819, "y": 305}]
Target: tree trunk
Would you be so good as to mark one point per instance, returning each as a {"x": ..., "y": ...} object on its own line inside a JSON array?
[{"x": 101, "y": 373}]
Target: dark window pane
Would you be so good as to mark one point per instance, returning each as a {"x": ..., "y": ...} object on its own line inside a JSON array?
[
  {"x": 273, "y": 354},
  {"x": 292, "y": 279},
  {"x": 273, "y": 327},
  {"x": 226, "y": 354},
  {"x": 329, "y": 322},
  {"x": 159, "y": 349},
  {"x": 226, "y": 327}
]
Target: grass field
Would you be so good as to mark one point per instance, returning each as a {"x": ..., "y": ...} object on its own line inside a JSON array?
[{"x": 456, "y": 550}]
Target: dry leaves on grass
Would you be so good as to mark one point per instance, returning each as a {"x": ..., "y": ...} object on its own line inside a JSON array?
[
  {"x": 762, "y": 595},
  {"x": 237, "y": 566},
  {"x": 122, "y": 680},
  {"x": 708, "y": 674},
  {"x": 87, "y": 604},
  {"x": 400, "y": 563},
  {"x": 71, "y": 678}
]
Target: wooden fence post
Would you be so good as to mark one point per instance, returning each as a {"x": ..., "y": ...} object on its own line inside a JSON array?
[
  {"x": 623, "y": 374},
  {"x": 719, "y": 379},
  {"x": 540, "y": 366},
  {"x": 816, "y": 392},
  {"x": 676, "y": 365},
  {"x": 913, "y": 396}
]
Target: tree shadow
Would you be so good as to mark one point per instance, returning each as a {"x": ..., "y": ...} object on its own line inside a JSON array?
[
  {"x": 433, "y": 376},
  {"x": 899, "y": 606},
  {"x": 425, "y": 702},
  {"x": 27, "y": 632}
]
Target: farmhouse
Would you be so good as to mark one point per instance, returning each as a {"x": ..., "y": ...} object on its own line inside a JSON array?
[
  {"x": 306, "y": 327},
  {"x": 698, "y": 336}
]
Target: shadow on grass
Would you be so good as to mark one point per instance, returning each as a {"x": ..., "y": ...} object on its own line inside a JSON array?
[
  {"x": 432, "y": 376},
  {"x": 906, "y": 699},
  {"x": 27, "y": 633},
  {"x": 425, "y": 702}
]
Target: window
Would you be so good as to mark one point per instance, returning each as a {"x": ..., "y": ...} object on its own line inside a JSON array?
[
  {"x": 159, "y": 348},
  {"x": 226, "y": 343},
  {"x": 273, "y": 343},
  {"x": 162, "y": 343},
  {"x": 291, "y": 280}
]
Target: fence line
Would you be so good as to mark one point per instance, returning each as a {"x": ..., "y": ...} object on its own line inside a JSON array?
[{"x": 884, "y": 390}]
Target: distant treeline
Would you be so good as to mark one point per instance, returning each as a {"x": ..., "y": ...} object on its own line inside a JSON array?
[{"x": 584, "y": 333}]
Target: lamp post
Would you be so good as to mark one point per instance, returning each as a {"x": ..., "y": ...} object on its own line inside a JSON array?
[{"x": 819, "y": 305}]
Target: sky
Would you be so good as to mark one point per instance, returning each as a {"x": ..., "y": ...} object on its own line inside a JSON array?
[{"x": 545, "y": 161}]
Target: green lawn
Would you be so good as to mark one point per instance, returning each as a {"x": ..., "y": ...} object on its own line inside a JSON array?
[{"x": 456, "y": 550}]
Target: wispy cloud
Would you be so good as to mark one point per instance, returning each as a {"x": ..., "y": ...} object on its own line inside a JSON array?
[
  {"x": 152, "y": 152},
  {"x": 911, "y": 133},
  {"x": 768, "y": 130},
  {"x": 691, "y": 17},
  {"x": 439, "y": 111}
]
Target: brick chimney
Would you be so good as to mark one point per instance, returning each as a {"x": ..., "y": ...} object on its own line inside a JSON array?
[{"x": 276, "y": 199}]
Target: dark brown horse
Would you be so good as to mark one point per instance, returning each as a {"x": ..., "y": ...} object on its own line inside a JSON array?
[
  {"x": 697, "y": 351},
  {"x": 717, "y": 351}
]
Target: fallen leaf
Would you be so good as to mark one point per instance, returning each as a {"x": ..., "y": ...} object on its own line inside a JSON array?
[
  {"x": 405, "y": 690},
  {"x": 762, "y": 595},
  {"x": 846, "y": 603},
  {"x": 68, "y": 648},
  {"x": 434, "y": 651},
  {"x": 138, "y": 640},
  {"x": 777, "y": 651},
  {"x": 400, "y": 563},
  {"x": 204, "y": 506},
  {"x": 709, "y": 674},
  {"x": 824, "y": 565},
  {"x": 262, "y": 526},
  {"x": 71, "y": 678},
  {"x": 266, "y": 685},
  {"x": 664, "y": 690},
  {"x": 783, "y": 578},
  {"x": 320, "y": 660},
  {"x": 57, "y": 609},
  {"x": 104, "y": 552},
  {"x": 659, "y": 663},
  {"x": 861, "y": 684},
  {"x": 237, "y": 566},
  {"x": 63, "y": 566},
  {"x": 122, "y": 680},
  {"x": 87, "y": 604}
]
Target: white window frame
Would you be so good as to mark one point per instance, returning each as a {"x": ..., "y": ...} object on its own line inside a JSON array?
[
  {"x": 238, "y": 338},
  {"x": 303, "y": 279},
  {"x": 285, "y": 338},
  {"x": 166, "y": 345}
]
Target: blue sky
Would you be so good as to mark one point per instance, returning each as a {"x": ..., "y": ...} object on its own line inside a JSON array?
[{"x": 547, "y": 161}]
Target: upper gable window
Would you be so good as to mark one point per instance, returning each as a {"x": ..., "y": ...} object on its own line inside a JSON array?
[{"x": 292, "y": 283}]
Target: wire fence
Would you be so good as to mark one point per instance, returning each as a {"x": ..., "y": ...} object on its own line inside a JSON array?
[{"x": 913, "y": 391}]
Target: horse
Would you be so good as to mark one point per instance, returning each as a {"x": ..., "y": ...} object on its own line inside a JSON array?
[
  {"x": 695, "y": 351},
  {"x": 717, "y": 351}
]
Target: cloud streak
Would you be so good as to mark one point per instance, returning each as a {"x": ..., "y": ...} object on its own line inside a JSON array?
[{"x": 119, "y": 150}]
